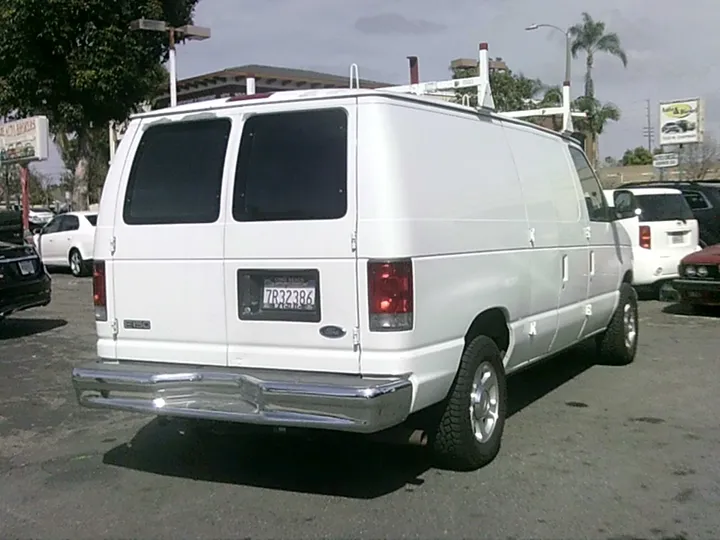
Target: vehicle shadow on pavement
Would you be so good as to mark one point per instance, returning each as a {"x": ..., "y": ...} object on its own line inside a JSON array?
[
  {"x": 342, "y": 465},
  {"x": 327, "y": 464},
  {"x": 689, "y": 311},
  {"x": 531, "y": 385},
  {"x": 15, "y": 328}
]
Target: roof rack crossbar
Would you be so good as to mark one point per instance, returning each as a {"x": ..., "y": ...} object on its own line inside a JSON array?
[{"x": 484, "y": 92}]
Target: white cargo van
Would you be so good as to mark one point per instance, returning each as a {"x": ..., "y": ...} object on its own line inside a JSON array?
[
  {"x": 662, "y": 229},
  {"x": 344, "y": 259}
]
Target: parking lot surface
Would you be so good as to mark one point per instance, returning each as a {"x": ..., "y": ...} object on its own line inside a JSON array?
[{"x": 590, "y": 451}]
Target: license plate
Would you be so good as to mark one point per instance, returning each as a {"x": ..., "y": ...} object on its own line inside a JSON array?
[
  {"x": 677, "y": 238},
  {"x": 288, "y": 294},
  {"x": 26, "y": 267}
]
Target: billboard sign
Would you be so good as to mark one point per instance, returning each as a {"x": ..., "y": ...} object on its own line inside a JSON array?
[
  {"x": 22, "y": 141},
  {"x": 681, "y": 121},
  {"x": 660, "y": 161}
]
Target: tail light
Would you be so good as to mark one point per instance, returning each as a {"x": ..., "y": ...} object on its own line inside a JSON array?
[
  {"x": 645, "y": 237},
  {"x": 99, "y": 291},
  {"x": 390, "y": 295}
]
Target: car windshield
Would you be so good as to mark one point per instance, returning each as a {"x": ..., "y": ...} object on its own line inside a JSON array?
[
  {"x": 92, "y": 218},
  {"x": 663, "y": 207}
]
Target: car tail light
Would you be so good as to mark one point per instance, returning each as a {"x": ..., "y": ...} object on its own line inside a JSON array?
[
  {"x": 645, "y": 237},
  {"x": 99, "y": 291},
  {"x": 390, "y": 295}
]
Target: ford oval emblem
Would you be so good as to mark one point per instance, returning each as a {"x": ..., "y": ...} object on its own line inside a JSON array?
[{"x": 332, "y": 332}]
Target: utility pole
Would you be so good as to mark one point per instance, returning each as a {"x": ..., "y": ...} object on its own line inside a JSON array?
[{"x": 648, "y": 130}]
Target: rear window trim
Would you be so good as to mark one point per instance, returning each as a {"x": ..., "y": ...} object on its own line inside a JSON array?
[
  {"x": 130, "y": 182},
  {"x": 238, "y": 186}
]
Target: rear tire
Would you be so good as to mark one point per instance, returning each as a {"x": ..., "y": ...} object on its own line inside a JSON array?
[
  {"x": 618, "y": 344},
  {"x": 470, "y": 428},
  {"x": 78, "y": 266}
]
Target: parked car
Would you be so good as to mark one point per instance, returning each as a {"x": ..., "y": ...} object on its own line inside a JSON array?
[
  {"x": 37, "y": 217},
  {"x": 704, "y": 200},
  {"x": 24, "y": 282},
  {"x": 11, "y": 227},
  {"x": 662, "y": 229},
  {"x": 699, "y": 281},
  {"x": 276, "y": 260},
  {"x": 67, "y": 242}
]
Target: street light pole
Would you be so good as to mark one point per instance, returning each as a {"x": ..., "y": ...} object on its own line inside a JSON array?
[
  {"x": 189, "y": 31},
  {"x": 568, "y": 46},
  {"x": 172, "y": 68}
]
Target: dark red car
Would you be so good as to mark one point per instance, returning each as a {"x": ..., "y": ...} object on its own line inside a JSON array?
[{"x": 699, "y": 281}]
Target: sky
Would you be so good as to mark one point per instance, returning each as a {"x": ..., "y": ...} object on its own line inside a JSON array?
[{"x": 672, "y": 53}]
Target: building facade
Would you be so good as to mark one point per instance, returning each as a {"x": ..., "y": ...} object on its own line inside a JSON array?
[{"x": 233, "y": 81}]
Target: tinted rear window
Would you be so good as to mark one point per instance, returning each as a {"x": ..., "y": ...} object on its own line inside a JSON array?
[
  {"x": 696, "y": 200},
  {"x": 177, "y": 173},
  {"x": 92, "y": 219},
  {"x": 663, "y": 207},
  {"x": 292, "y": 166}
]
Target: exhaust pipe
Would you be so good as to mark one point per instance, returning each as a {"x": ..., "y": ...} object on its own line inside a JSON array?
[{"x": 400, "y": 435}]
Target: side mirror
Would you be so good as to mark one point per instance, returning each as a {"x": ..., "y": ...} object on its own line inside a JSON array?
[{"x": 625, "y": 204}]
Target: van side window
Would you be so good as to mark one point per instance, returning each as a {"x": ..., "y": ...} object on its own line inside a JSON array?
[
  {"x": 593, "y": 193},
  {"x": 176, "y": 176},
  {"x": 292, "y": 166}
]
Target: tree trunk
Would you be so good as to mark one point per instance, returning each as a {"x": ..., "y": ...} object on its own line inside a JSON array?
[
  {"x": 80, "y": 193},
  {"x": 589, "y": 85}
]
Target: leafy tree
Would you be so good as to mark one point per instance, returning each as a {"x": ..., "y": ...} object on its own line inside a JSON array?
[
  {"x": 10, "y": 192},
  {"x": 597, "y": 116},
  {"x": 510, "y": 92},
  {"x": 77, "y": 62},
  {"x": 637, "y": 156},
  {"x": 590, "y": 37}
]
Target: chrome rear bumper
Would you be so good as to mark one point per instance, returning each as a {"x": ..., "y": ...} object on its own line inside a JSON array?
[{"x": 275, "y": 398}]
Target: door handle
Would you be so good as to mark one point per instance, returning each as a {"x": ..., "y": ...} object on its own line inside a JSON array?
[{"x": 565, "y": 269}]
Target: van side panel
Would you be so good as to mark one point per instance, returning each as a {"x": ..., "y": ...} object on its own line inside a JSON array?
[
  {"x": 561, "y": 257},
  {"x": 440, "y": 187}
]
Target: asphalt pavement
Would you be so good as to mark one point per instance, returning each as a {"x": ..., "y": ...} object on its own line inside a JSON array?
[{"x": 590, "y": 451}]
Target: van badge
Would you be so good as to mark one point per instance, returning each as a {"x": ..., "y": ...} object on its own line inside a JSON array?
[
  {"x": 332, "y": 332},
  {"x": 129, "y": 324}
]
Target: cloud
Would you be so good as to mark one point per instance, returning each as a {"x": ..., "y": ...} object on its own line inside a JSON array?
[
  {"x": 667, "y": 46},
  {"x": 394, "y": 23}
]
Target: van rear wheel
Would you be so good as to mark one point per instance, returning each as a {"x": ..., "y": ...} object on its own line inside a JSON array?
[
  {"x": 470, "y": 428},
  {"x": 618, "y": 344}
]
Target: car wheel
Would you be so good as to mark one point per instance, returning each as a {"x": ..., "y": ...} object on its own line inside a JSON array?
[
  {"x": 468, "y": 433},
  {"x": 618, "y": 344},
  {"x": 78, "y": 266}
]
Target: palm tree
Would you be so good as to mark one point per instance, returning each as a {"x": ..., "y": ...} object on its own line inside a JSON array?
[
  {"x": 590, "y": 38},
  {"x": 598, "y": 115}
]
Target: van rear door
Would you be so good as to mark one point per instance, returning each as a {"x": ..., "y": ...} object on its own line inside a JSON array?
[
  {"x": 290, "y": 260},
  {"x": 666, "y": 222},
  {"x": 167, "y": 268}
]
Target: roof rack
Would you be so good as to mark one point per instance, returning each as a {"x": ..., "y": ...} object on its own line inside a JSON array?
[{"x": 484, "y": 91}]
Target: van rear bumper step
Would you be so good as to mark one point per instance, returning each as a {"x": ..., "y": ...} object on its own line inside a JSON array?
[{"x": 251, "y": 396}]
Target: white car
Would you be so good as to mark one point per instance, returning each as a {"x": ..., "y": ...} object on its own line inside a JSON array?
[
  {"x": 67, "y": 241},
  {"x": 342, "y": 259},
  {"x": 40, "y": 216},
  {"x": 663, "y": 231}
]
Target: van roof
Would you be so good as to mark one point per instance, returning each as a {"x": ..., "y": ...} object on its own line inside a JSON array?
[{"x": 286, "y": 96}]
